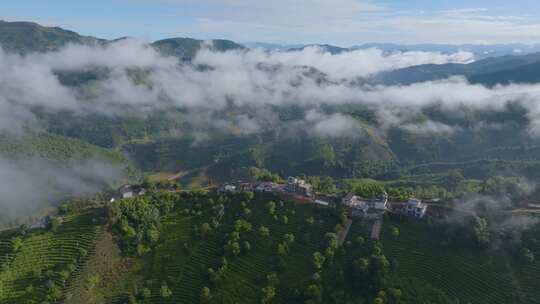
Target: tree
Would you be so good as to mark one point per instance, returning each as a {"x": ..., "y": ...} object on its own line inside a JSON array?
[
  {"x": 289, "y": 238},
  {"x": 235, "y": 248},
  {"x": 248, "y": 196},
  {"x": 454, "y": 178},
  {"x": 242, "y": 225},
  {"x": 318, "y": 260},
  {"x": 394, "y": 295},
  {"x": 327, "y": 155},
  {"x": 16, "y": 244},
  {"x": 272, "y": 279},
  {"x": 264, "y": 231},
  {"x": 205, "y": 229},
  {"x": 481, "y": 231},
  {"x": 282, "y": 250},
  {"x": 146, "y": 293},
  {"x": 327, "y": 185},
  {"x": 247, "y": 246},
  {"x": 92, "y": 282},
  {"x": 268, "y": 293},
  {"x": 395, "y": 231},
  {"x": 164, "y": 291},
  {"x": 55, "y": 223},
  {"x": 205, "y": 294},
  {"x": 527, "y": 255},
  {"x": 378, "y": 300},
  {"x": 271, "y": 206},
  {"x": 132, "y": 299},
  {"x": 361, "y": 265},
  {"x": 314, "y": 292}
]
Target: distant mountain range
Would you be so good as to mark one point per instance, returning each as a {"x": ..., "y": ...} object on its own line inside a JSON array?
[
  {"x": 24, "y": 37},
  {"x": 27, "y": 37},
  {"x": 480, "y": 51},
  {"x": 498, "y": 63},
  {"x": 489, "y": 71}
]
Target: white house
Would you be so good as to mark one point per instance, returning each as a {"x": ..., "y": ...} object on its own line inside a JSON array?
[
  {"x": 322, "y": 203},
  {"x": 266, "y": 187},
  {"x": 355, "y": 202},
  {"x": 226, "y": 188},
  {"x": 127, "y": 192},
  {"x": 416, "y": 208},
  {"x": 299, "y": 186},
  {"x": 380, "y": 203}
]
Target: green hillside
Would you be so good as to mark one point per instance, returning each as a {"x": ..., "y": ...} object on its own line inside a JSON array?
[
  {"x": 197, "y": 247},
  {"x": 39, "y": 266},
  {"x": 490, "y": 71},
  {"x": 26, "y": 37},
  {"x": 423, "y": 253},
  {"x": 187, "y": 48},
  {"x": 55, "y": 148}
]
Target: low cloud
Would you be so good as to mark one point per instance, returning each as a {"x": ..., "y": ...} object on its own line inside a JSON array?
[
  {"x": 27, "y": 184},
  {"x": 135, "y": 80},
  {"x": 430, "y": 127},
  {"x": 333, "y": 126}
]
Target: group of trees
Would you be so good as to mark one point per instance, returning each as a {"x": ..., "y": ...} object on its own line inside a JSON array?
[{"x": 264, "y": 175}]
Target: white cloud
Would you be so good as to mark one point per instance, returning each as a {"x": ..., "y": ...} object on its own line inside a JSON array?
[
  {"x": 334, "y": 125},
  {"x": 254, "y": 80},
  {"x": 26, "y": 184}
]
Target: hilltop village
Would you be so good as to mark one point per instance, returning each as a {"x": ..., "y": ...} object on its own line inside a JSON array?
[
  {"x": 300, "y": 191},
  {"x": 371, "y": 209}
]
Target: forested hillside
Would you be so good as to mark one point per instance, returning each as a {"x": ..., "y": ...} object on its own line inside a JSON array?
[{"x": 199, "y": 247}]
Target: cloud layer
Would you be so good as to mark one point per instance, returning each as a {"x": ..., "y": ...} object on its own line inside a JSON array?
[
  {"x": 26, "y": 184},
  {"x": 138, "y": 80}
]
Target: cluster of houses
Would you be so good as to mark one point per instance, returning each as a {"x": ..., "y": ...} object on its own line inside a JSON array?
[
  {"x": 361, "y": 206},
  {"x": 128, "y": 191},
  {"x": 248, "y": 187},
  {"x": 299, "y": 186},
  {"x": 293, "y": 186},
  {"x": 358, "y": 206},
  {"x": 415, "y": 207}
]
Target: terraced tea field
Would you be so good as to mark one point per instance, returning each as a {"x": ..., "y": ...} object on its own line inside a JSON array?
[
  {"x": 183, "y": 260},
  {"x": 46, "y": 260},
  {"x": 470, "y": 275}
]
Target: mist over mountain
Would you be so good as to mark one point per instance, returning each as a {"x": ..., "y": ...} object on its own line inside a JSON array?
[
  {"x": 314, "y": 110},
  {"x": 210, "y": 171},
  {"x": 480, "y": 51}
]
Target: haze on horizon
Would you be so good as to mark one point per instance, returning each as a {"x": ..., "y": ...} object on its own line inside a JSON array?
[{"x": 338, "y": 22}]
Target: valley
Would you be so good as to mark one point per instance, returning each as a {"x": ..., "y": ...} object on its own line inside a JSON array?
[{"x": 183, "y": 170}]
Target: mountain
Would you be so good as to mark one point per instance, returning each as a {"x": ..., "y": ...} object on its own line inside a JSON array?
[
  {"x": 271, "y": 46},
  {"x": 186, "y": 48},
  {"x": 295, "y": 47},
  {"x": 26, "y": 37},
  {"x": 490, "y": 71},
  {"x": 332, "y": 49},
  {"x": 480, "y": 51}
]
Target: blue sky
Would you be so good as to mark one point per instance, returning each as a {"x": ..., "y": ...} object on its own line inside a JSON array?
[{"x": 340, "y": 22}]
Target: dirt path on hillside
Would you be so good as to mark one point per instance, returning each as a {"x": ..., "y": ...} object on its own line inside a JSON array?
[
  {"x": 344, "y": 232},
  {"x": 376, "y": 230},
  {"x": 115, "y": 274}
]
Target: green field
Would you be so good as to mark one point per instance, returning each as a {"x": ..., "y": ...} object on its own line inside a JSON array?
[
  {"x": 473, "y": 276},
  {"x": 47, "y": 260},
  {"x": 182, "y": 260},
  {"x": 86, "y": 260}
]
